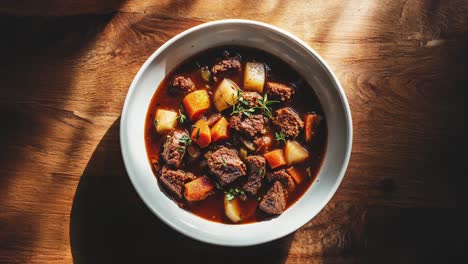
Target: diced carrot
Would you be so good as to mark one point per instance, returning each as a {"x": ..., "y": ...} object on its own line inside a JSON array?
[
  {"x": 295, "y": 174},
  {"x": 311, "y": 122},
  {"x": 201, "y": 133},
  {"x": 220, "y": 130},
  {"x": 198, "y": 189},
  {"x": 275, "y": 158},
  {"x": 196, "y": 104}
]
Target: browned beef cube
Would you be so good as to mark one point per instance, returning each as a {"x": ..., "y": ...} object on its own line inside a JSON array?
[
  {"x": 226, "y": 165},
  {"x": 288, "y": 122},
  {"x": 174, "y": 180},
  {"x": 174, "y": 148},
  {"x": 253, "y": 125},
  {"x": 279, "y": 91},
  {"x": 274, "y": 201},
  {"x": 256, "y": 172},
  {"x": 284, "y": 178},
  {"x": 226, "y": 66},
  {"x": 182, "y": 84}
]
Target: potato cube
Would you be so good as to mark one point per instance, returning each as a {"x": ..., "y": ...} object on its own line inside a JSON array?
[
  {"x": 165, "y": 120},
  {"x": 232, "y": 209},
  {"x": 295, "y": 153},
  {"x": 225, "y": 95},
  {"x": 254, "y": 76}
]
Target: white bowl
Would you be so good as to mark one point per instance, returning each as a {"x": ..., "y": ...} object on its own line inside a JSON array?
[{"x": 275, "y": 41}]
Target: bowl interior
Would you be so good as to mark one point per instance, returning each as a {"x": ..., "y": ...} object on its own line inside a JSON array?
[{"x": 292, "y": 51}]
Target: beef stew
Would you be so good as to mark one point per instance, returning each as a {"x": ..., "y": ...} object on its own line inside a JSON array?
[{"x": 235, "y": 135}]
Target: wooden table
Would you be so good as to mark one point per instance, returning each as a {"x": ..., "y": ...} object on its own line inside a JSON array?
[{"x": 65, "y": 69}]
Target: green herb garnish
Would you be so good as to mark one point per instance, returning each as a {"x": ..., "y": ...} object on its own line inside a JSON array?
[
  {"x": 156, "y": 122},
  {"x": 185, "y": 141},
  {"x": 233, "y": 192},
  {"x": 224, "y": 162},
  {"x": 280, "y": 137},
  {"x": 259, "y": 198},
  {"x": 241, "y": 105},
  {"x": 265, "y": 106},
  {"x": 181, "y": 117}
]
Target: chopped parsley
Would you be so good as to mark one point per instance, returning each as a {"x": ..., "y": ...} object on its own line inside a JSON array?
[
  {"x": 233, "y": 192},
  {"x": 185, "y": 141},
  {"x": 156, "y": 122},
  {"x": 224, "y": 162},
  {"x": 280, "y": 137}
]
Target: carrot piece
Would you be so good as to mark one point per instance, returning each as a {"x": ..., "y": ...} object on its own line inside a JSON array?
[
  {"x": 196, "y": 104},
  {"x": 295, "y": 174},
  {"x": 220, "y": 130},
  {"x": 275, "y": 158},
  {"x": 201, "y": 133},
  {"x": 311, "y": 121},
  {"x": 198, "y": 189}
]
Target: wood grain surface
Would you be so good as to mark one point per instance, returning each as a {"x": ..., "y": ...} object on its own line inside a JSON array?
[{"x": 65, "y": 69}]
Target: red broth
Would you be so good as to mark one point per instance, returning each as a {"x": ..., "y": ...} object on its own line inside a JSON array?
[{"x": 303, "y": 101}]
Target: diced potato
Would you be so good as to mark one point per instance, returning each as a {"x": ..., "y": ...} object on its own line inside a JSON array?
[
  {"x": 225, "y": 95},
  {"x": 198, "y": 189},
  {"x": 220, "y": 130},
  {"x": 275, "y": 158},
  {"x": 294, "y": 153},
  {"x": 196, "y": 104},
  {"x": 295, "y": 174},
  {"x": 165, "y": 120},
  {"x": 254, "y": 76},
  {"x": 232, "y": 209},
  {"x": 201, "y": 133}
]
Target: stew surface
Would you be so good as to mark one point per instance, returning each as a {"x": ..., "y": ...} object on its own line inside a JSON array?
[{"x": 235, "y": 135}]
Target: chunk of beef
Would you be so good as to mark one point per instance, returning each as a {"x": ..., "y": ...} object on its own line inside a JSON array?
[
  {"x": 288, "y": 122},
  {"x": 256, "y": 171},
  {"x": 226, "y": 165},
  {"x": 253, "y": 125},
  {"x": 174, "y": 180},
  {"x": 279, "y": 91},
  {"x": 251, "y": 98},
  {"x": 212, "y": 119},
  {"x": 174, "y": 148},
  {"x": 274, "y": 201},
  {"x": 284, "y": 178},
  {"x": 226, "y": 66},
  {"x": 182, "y": 84}
]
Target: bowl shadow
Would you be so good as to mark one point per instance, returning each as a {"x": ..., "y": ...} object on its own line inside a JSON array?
[{"x": 110, "y": 223}]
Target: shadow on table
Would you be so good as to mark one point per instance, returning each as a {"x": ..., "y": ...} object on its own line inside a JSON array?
[{"x": 109, "y": 223}]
